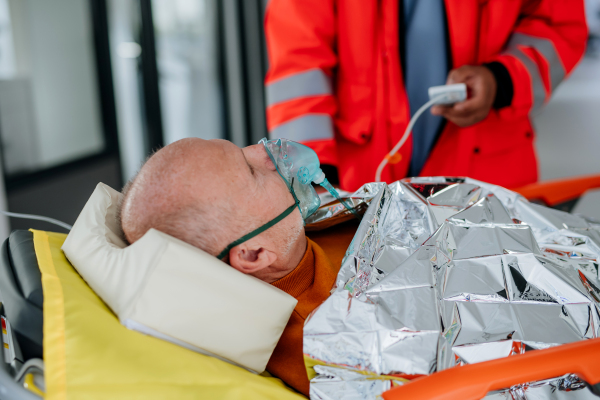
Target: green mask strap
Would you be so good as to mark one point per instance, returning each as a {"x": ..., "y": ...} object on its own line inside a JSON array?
[{"x": 262, "y": 228}]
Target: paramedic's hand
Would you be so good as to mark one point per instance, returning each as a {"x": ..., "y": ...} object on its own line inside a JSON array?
[{"x": 481, "y": 92}]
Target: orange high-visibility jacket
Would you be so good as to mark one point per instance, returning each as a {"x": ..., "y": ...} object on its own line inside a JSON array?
[{"x": 335, "y": 82}]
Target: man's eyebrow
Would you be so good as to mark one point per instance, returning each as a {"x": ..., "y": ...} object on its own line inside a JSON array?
[{"x": 247, "y": 163}]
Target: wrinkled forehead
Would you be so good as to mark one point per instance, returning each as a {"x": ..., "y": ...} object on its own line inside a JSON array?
[
  {"x": 195, "y": 163},
  {"x": 220, "y": 168},
  {"x": 227, "y": 158}
]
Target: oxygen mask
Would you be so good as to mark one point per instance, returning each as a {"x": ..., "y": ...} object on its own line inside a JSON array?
[{"x": 298, "y": 165}]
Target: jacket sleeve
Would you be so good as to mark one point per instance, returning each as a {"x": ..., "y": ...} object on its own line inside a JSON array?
[
  {"x": 300, "y": 40},
  {"x": 547, "y": 42}
]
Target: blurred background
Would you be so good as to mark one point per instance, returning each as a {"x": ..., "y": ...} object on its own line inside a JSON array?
[{"x": 89, "y": 88}]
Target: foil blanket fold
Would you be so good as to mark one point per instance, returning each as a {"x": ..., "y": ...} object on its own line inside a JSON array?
[{"x": 444, "y": 272}]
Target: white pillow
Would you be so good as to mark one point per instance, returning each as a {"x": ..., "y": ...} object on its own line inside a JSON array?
[{"x": 166, "y": 288}]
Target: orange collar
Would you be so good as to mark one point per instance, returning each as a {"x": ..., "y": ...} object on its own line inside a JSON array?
[{"x": 302, "y": 277}]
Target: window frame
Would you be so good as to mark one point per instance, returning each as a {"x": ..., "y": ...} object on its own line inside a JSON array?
[{"x": 108, "y": 117}]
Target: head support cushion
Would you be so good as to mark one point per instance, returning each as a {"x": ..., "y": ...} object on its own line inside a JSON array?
[{"x": 172, "y": 290}]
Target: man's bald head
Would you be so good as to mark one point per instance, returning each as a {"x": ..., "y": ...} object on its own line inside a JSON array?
[
  {"x": 209, "y": 193},
  {"x": 167, "y": 195}
]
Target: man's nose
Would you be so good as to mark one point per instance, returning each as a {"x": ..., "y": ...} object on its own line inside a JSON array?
[{"x": 258, "y": 154}]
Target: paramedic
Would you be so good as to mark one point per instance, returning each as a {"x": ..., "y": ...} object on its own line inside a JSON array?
[
  {"x": 345, "y": 77},
  {"x": 211, "y": 193}
]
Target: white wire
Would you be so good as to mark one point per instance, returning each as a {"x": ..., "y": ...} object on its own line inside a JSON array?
[
  {"x": 400, "y": 143},
  {"x": 39, "y": 218}
]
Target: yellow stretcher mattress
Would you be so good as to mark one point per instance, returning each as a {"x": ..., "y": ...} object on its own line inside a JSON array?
[{"x": 88, "y": 354}]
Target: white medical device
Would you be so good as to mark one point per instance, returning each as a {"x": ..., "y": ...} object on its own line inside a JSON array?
[{"x": 446, "y": 95}]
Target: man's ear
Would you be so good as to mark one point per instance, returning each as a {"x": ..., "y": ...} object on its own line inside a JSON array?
[{"x": 249, "y": 259}]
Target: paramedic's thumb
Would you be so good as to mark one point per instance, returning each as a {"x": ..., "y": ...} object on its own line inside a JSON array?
[{"x": 460, "y": 75}]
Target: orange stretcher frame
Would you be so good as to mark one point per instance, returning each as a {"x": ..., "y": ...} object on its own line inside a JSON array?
[
  {"x": 558, "y": 191},
  {"x": 471, "y": 382}
]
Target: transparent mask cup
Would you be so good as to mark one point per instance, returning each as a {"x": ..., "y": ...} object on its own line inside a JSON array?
[{"x": 299, "y": 165}]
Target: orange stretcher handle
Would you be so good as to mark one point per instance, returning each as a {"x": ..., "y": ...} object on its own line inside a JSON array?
[
  {"x": 472, "y": 382},
  {"x": 559, "y": 191}
]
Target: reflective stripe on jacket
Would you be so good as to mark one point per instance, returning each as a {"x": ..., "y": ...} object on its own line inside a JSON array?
[{"x": 335, "y": 82}]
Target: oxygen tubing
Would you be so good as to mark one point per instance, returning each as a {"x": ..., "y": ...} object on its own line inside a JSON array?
[{"x": 409, "y": 128}]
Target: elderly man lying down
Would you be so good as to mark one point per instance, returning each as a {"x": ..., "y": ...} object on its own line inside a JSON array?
[
  {"x": 442, "y": 271},
  {"x": 211, "y": 193}
]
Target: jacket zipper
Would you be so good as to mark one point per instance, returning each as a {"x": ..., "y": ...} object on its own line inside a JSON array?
[{"x": 481, "y": 5}]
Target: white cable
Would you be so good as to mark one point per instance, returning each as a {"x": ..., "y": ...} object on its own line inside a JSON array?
[
  {"x": 400, "y": 143},
  {"x": 39, "y": 218}
]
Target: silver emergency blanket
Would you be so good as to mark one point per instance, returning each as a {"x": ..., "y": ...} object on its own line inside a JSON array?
[{"x": 445, "y": 272}]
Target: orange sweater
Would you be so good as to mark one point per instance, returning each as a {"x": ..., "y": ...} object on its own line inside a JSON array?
[{"x": 310, "y": 283}]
